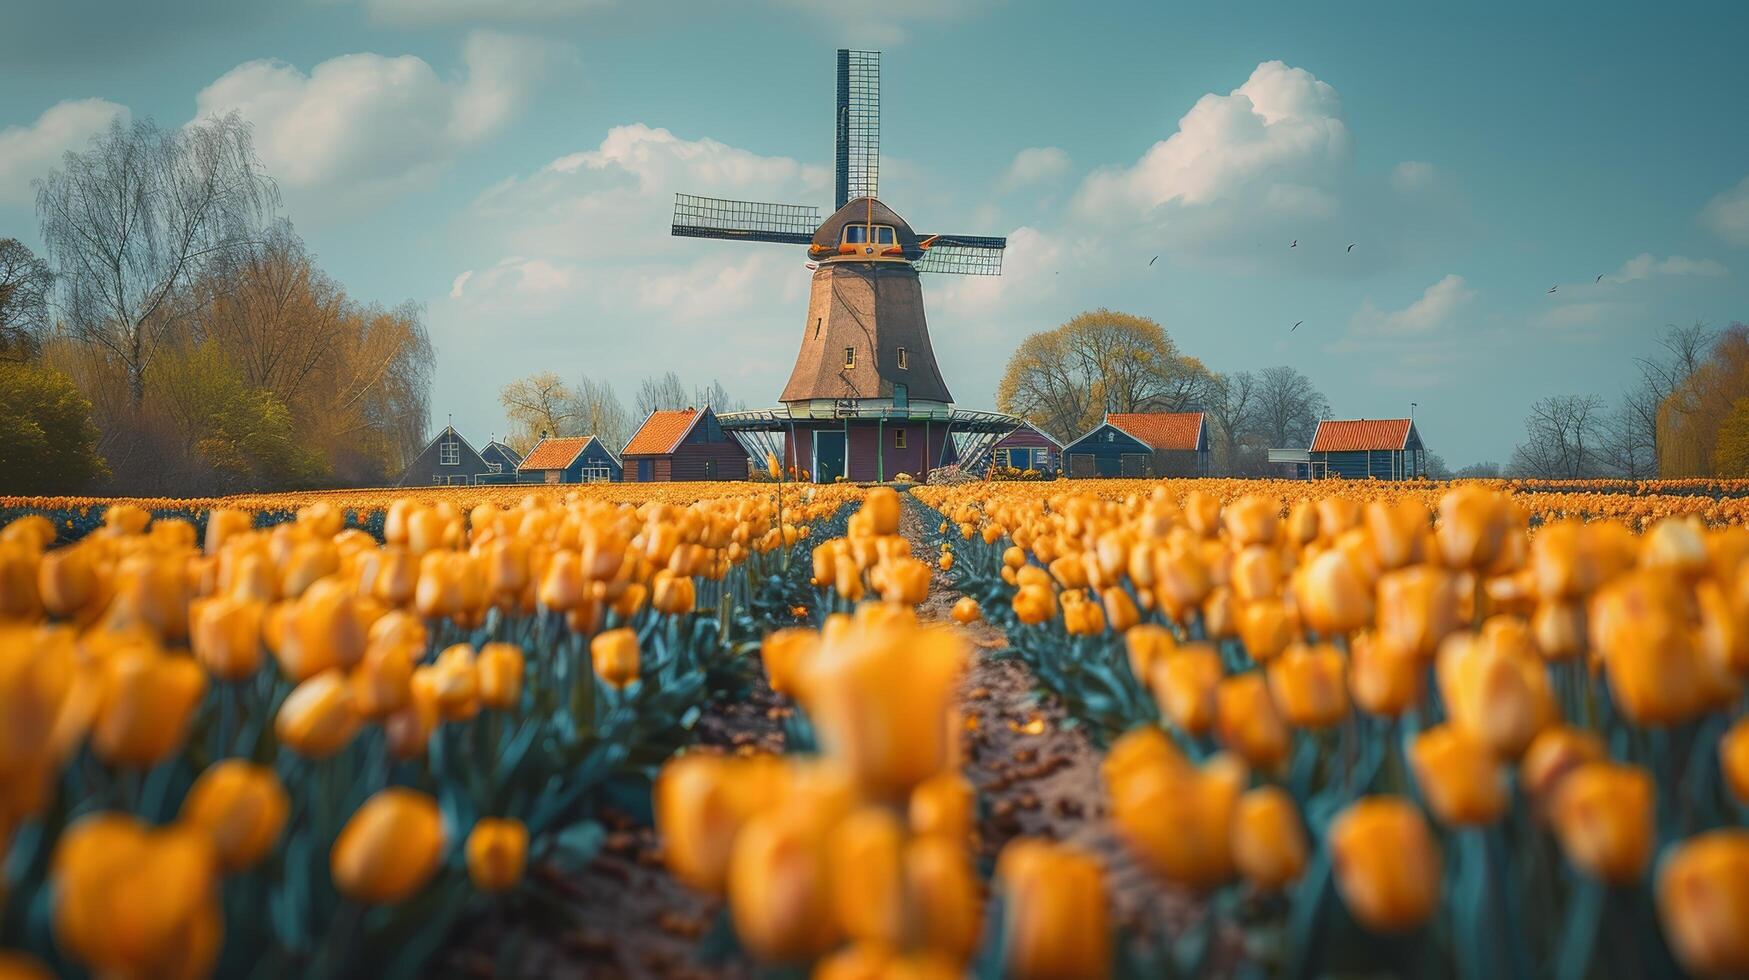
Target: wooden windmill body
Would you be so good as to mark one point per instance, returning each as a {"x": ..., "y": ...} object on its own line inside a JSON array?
[{"x": 866, "y": 399}]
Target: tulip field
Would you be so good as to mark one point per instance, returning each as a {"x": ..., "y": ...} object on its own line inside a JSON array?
[{"x": 1032, "y": 729}]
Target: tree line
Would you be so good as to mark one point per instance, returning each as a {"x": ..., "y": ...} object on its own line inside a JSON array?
[
  {"x": 544, "y": 404},
  {"x": 177, "y": 336}
]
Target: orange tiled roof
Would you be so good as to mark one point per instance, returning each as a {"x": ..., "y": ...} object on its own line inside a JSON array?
[
  {"x": 1161, "y": 430},
  {"x": 661, "y": 432},
  {"x": 555, "y": 453},
  {"x": 1357, "y": 435}
]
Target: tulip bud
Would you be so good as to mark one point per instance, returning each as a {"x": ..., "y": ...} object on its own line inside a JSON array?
[
  {"x": 225, "y": 633},
  {"x": 701, "y": 802},
  {"x": 561, "y": 587},
  {"x": 242, "y": 807},
  {"x": 1603, "y": 815},
  {"x": 944, "y": 892},
  {"x": 1399, "y": 532},
  {"x": 1703, "y": 902},
  {"x": 67, "y": 582},
  {"x": 1386, "y": 863},
  {"x": 1266, "y": 627},
  {"x": 1417, "y": 608},
  {"x": 1246, "y": 720},
  {"x": 882, "y": 507},
  {"x": 145, "y": 707},
  {"x": 1139, "y": 750},
  {"x": 409, "y": 729},
  {"x": 1458, "y": 775},
  {"x": 966, "y": 611},
  {"x": 389, "y": 848},
  {"x": 382, "y": 683},
  {"x": 868, "y": 899},
  {"x": 1472, "y": 526},
  {"x": 1334, "y": 596},
  {"x": 1054, "y": 911},
  {"x": 674, "y": 594},
  {"x": 323, "y": 629},
  {"x": 1734, "y": 759},
  {"x": 1145, "y": 644},
  {"x": 1383, "y": 680},
  {"x": 130, "y": 901},
  {"x": 1269, "y": 842},
  {"x": 500, "y": 669},
  {"x": 1308, "y": 685},
  {"x": 1183, "y": 683},
  {"x": 497, "y": 852},
  {"x": 943, "y": 805},
  {"x": 779, "y": 888},
  {"x": 1553, "y": 754},
  {"x": 1180, "y": 821},
  {"x": 317, "y": 718},
  {"x": 615, "y": 656},
  {"x": 1496, "y": 693},
  {"x": 455, "y": 682},
  {"x": 1120, "y": 609}
]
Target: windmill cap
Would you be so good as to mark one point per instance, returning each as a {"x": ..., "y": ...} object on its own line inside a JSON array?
[{"x": 864, "y": 210}]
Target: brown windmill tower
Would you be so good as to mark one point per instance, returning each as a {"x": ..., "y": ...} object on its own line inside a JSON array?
[{"x": 865, "y": 400}]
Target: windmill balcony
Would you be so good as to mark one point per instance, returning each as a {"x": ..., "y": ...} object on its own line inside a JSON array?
[{"x": 870, "y": 408}]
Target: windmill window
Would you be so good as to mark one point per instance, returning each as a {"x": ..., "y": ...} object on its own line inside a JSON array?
[
  {"x": 849, "y": 357},
  {"x": 898, "y": 438},
  {"x": 904, "y": 363},
  {"x": 449, "y": 451},
  {"x": 859, "y": 234},
  {"x": 884, "y": 235}
]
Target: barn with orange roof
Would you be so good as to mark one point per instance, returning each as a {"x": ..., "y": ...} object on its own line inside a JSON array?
[
  {"x": 569, "y": 459},
  {"x": 683, "y": 444},
  {"x": 1359, "y": 449},
  {"x": 1140, "y": 444}
]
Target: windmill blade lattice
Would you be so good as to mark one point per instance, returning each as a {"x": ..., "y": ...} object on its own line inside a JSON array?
[
  {"x": 966, "y": 255},
  {"x": 858, "y": 149},
  {"x": 746, "y": 221}
]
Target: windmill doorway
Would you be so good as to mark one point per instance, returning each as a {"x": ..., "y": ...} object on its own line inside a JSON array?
[{"x": 828, "y": 456}]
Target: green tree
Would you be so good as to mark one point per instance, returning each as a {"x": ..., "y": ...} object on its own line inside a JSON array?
[
  {"x": 1731, "y": 446},
  {"x": 48, "y": 443}
]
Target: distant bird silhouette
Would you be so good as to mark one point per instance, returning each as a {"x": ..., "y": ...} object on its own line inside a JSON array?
[
  {"x": 1598, "y": 279},
  {"x": 1552, "y": 288},
  {"x": 1295, "y": 327},
  {"x": 1153, "y": 260},
  {"x": 1351, "y": 246},
  {"x": 1296, "y": 244}
]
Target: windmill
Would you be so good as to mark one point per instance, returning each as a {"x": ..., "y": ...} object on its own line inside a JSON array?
[{"x": 866, "y": 399}]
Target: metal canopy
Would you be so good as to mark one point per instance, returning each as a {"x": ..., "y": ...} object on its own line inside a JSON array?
[{"x": 752, "y": 221}]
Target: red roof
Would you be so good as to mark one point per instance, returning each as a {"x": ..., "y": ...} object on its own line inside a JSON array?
[
  {"x": 1359, "y": 435},
  {"x": 661, "y": 433},
  {"x": 1160, "y": 430},
  {"x": 555, "y": 453}
]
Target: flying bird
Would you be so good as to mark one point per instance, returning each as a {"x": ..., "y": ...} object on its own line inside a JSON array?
[
  {"x": 1296, "y": 244},
  {"x": 1552, "y": 288},
  {"x": 1153, "y": 260},
  {"x": 1295, "y": 327},
  {"x": 1351, "y": 246},
  {"x": 1598, "y": 279}
]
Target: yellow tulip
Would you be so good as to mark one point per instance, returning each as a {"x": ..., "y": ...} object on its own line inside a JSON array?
[
  {"x": 944, "y": 806},
  {"x": 1417, "y": 608},
  {"x": 1734, "y": 759},
  {"x": 1458, "y": 775},
  {"x": 225, "y": 633},
  {"x": 1383, "y": 680},
  {"x": 1386, "y": 863},
  {"x": 883, "y": 702},
  {"x": 1399, "y": 532},
  {"x": 1138, "y": 750},
  {"x": 242, "y": 807},
  {"x": 906, "y": 581},
  {"x": 22, "y": 966},
  {"x": 1144, "y": 644},
  {"x": 1266, "y": 627},
  {"x": 701, "y": 802},
  {"x": 323, "y": 629},
  {"x": 1603, "y": 816},
  {"x": 455, "y": 681},
  {"x": 382, "y": 683},
  {"x": 1054, "y": 911},
  {"x": 615, "y": 656},
  {"x": 1247, "y": 722},
  {"x": 1183, "y": 683},
  {"x": 500, "y": 669},
  {"x": 779, "y": 888},
  {"x": 1499, "y": 694},
  {"x": 390, "y": 848},
  {"x": 1269, "y": 841},
  {"x": 1308, "y": 685},
  {"x": 1334, "y": 596},
  {"x": 317, "y": 719},
  {"x": 1180, "y": 821},
  {"x": 966, "y": 611},
  {"x": 882, "y": 507},
  {"x": 1120, "y": 609},
  {"x": 1472, "y": 526},
  {"x": 672, "y": 594},
  {"x": 146, "y": 705},
  {"x": 943, "y": 892},
  {"x": 497, "y": 852},
  {"x": 1553, "y": 755},
  {"x": 1703, "y": 902},
  {"x": 136, "y": 902},
  {"x": 67, "y": 582},
  {"x": 867, "y": 883}
]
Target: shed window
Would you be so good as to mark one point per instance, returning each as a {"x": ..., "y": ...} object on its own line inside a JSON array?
[
  {"x": 898, "y": 438},
  {"x": 904, "y": 362},
  {"x": 1111, "y": 437},
  {"x": 849, "y": 357},
  {"x": 595, "y": 472},
  {"x": 495, "y": 467},
  {"x": 449, "y": 451}
]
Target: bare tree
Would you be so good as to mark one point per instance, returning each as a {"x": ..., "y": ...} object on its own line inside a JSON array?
[
  {"x": 1231, "y": 403},
  {"x": 139, "y": 216},
  {"x": 718, "y": 398},
  {"x": 25, "y": 281},
  {"x": 600, "y": 413},
  {"x": 540, "y": 404},
  {"x": 1485, "y": 470},
  {"x": 1633, "y": 436},
  {"x": 1289, "y": 407},
  {"x": 1561, "y": 438},
  {"x": 658, "y": 394}
]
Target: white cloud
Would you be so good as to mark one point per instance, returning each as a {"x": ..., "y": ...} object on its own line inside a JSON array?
[
  {"x": 1412, "y": 175},
  {"x": 422, "y": 13},
  {"x": 460, "y": 283},
  {"x": 1645, "y": 265},
  {"x": 31, "y": 151},
  {"x": 366, "y": 124},
  {"x": 1727, "y": 214},
  {"x": 1034, "y": 164},
  {"x": 1280, "y": 137},
  {"x": 1576, "y": 314},
  {"x": 1433, "y": 310}
]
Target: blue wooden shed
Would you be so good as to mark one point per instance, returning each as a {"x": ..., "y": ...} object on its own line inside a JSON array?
[
  {"x": 1141, "y": 444},
  {"x": 570, "y": 459},
  {"x": 1359, "y": 449}
]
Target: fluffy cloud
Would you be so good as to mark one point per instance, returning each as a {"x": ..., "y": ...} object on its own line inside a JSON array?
[
  {"x": 1433, "y": 310},
  {"x": 1727, "y": 214},
  {"x": 366, "y": 124},
  {"x": 30, "y": 151},
  {"x": 1033, "y": 165},
  {"x": 1280, "y": 137},
  {"x": 1645, "y": 265}
]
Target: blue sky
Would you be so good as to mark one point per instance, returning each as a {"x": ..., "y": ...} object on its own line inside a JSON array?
[{"x": 511, "y": 164}]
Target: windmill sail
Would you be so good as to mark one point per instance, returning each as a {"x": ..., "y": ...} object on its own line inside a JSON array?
[
  {"x": 746, "y": 221},
  {"x": 966, "y": 255},
  {"x": 858, "y": 149}
]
